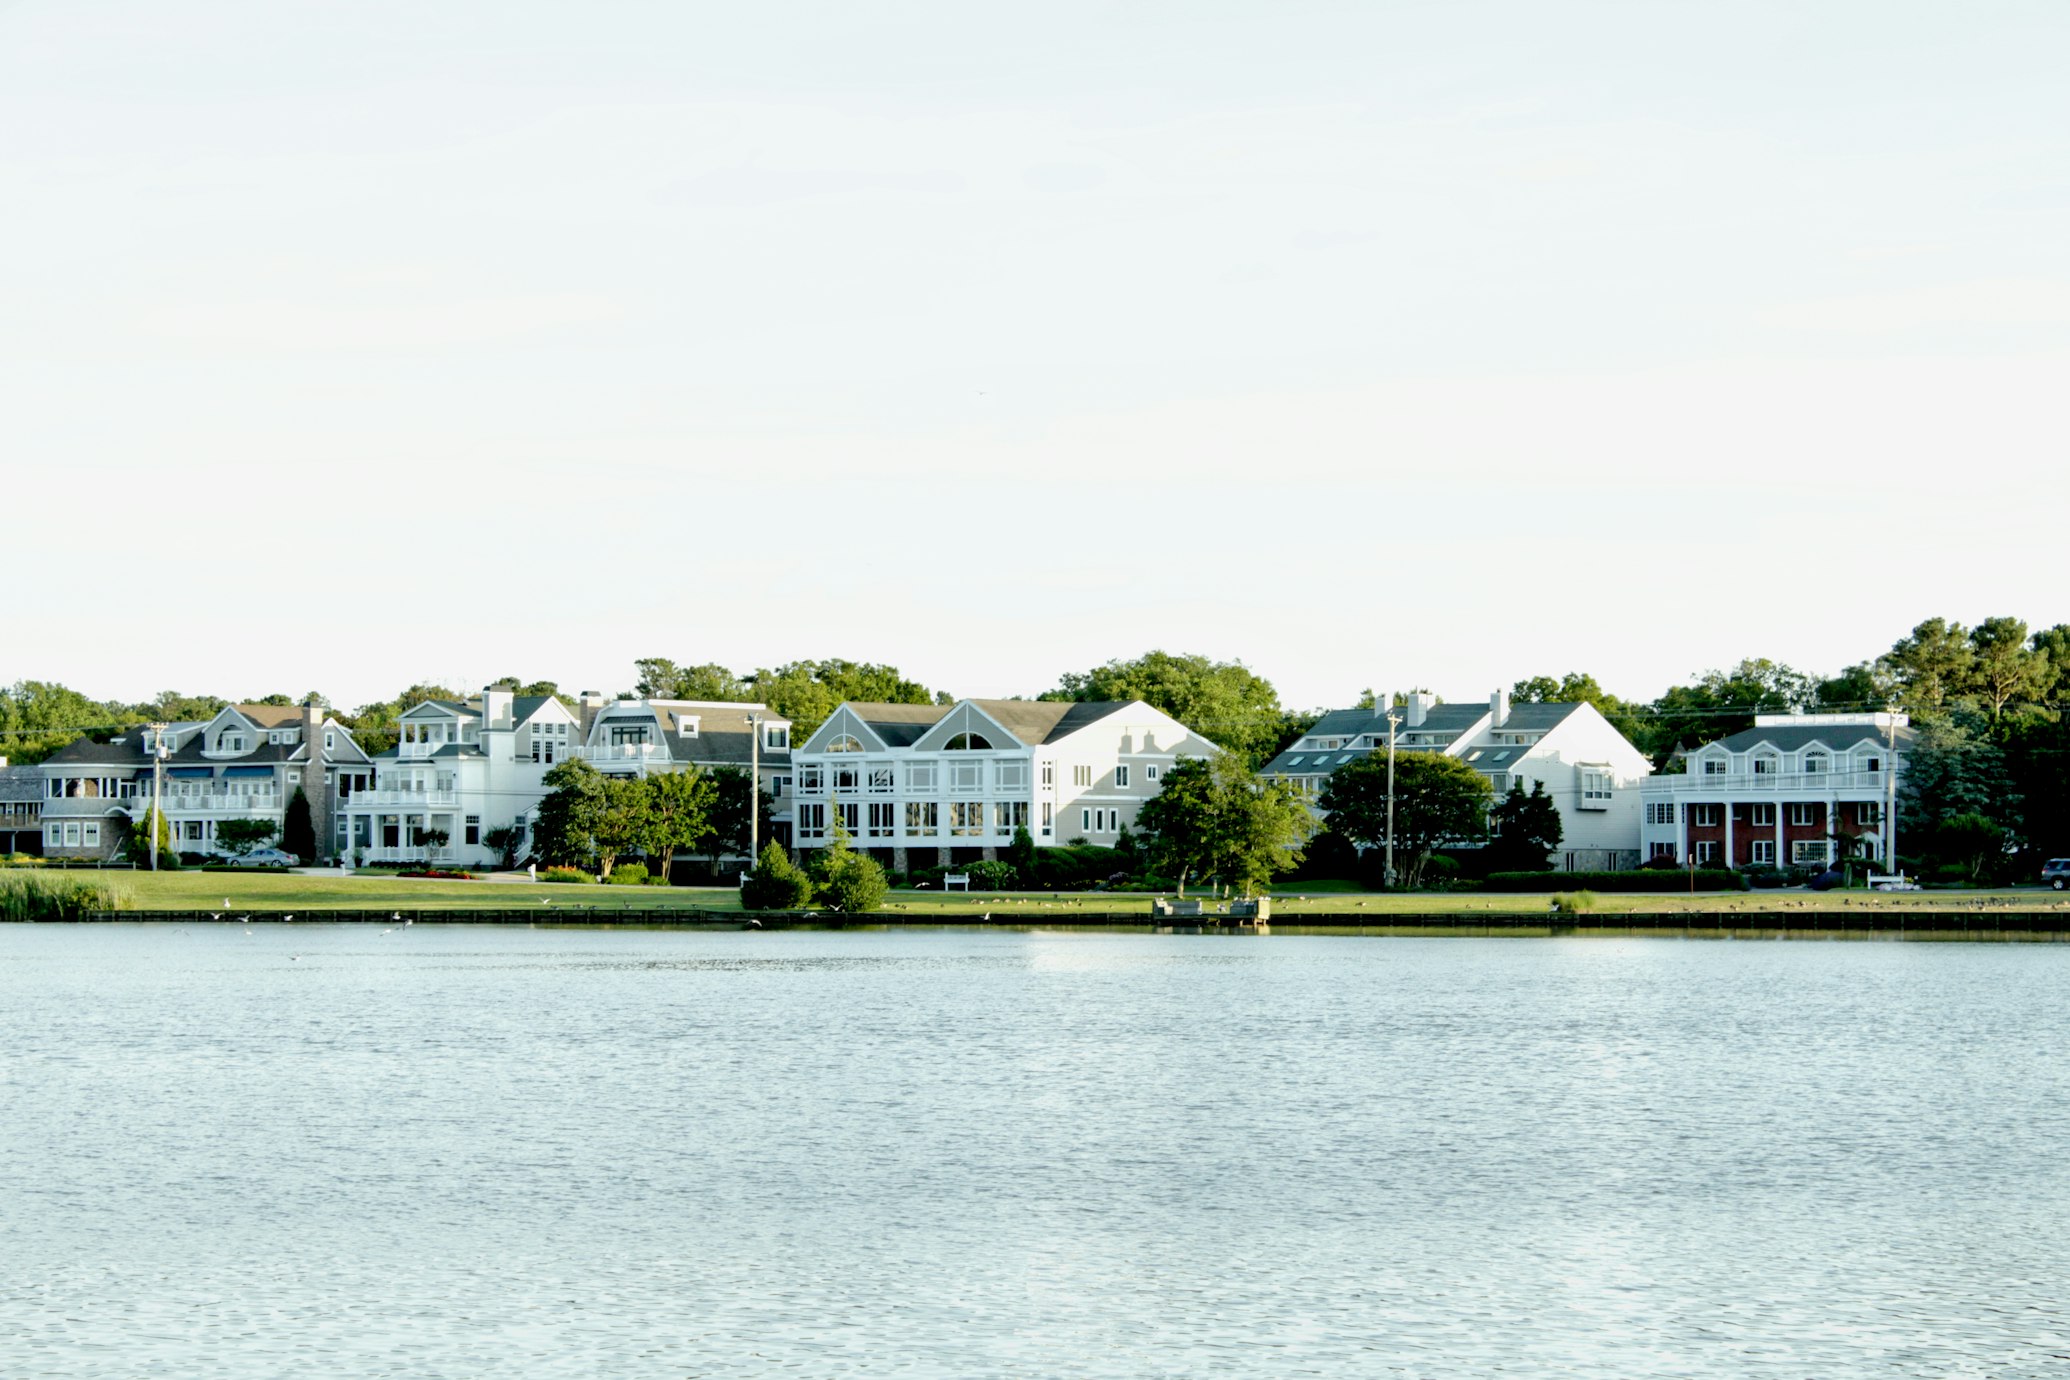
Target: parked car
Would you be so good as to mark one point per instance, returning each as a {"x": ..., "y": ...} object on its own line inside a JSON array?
[
  {"x": 2056, "y": 873},
  {"x": 1900, "y": 882},
  {"x": 266, "y": 857}
]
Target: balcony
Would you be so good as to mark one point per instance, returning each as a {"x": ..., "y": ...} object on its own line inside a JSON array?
[
  {"x": 624, "y": 752},
  {"x": 385, "y": 799},
  {"x": 1770, "y": 783}
]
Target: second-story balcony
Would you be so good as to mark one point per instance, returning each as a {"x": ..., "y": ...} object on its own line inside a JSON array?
[
  {"x": 1769, "y": 783},
  {"x": 623, "y": 752},
  {"x": 385, "y": 798}
]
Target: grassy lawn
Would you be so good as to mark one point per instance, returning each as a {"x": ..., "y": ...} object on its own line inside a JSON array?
[{"x": 275, "y": 891}]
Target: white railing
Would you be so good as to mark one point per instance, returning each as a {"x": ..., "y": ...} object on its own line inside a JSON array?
[
  {"x": 624, "y": 752},
  {"x": 360, "y": 800},
  {"x": 1766, "y": 783}
]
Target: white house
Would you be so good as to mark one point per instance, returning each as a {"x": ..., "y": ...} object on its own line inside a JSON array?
[
  {"x": 1591, "y": 771},
  {"x": 459, "y": 770},
  {"x": 245, "y": 763},
  {"x": 1785, "y": 792},
  {"x": 937, "y": 785}
]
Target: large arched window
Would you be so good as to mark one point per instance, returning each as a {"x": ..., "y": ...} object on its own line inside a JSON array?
[
  {"x": 844, "y": 743},
  {"x": 970, "y": 742}
]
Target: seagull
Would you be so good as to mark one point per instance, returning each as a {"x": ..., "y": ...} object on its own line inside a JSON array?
[
  {"x": 287, "y": 919},
  {"x": 215, "y": 915},
  {"x": 226, "y": 903}
]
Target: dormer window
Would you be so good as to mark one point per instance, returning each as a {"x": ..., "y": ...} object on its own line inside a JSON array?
[
  {"x": 686, "y": 725},
  {"x": 1814, "y": 763},
  {"x": 777, "y": 737},
  {"x": 1765, "y": 765},
  {"x": 1714, "y": 766},
  {"x": 230, "y": 742},
  {"x": 330, "y": 741}
]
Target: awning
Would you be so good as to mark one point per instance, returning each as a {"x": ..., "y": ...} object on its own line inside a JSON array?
[
  {"x": 190, "y": 771},
  {"x": 247, "y": 771}
]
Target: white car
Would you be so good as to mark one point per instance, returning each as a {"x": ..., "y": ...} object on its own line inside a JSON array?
[
  {"x": 1897, "y": 883},
  {"x": 266, "y": 857}
]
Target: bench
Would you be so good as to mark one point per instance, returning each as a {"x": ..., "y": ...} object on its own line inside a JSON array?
[{"x": 950, "y": 879}]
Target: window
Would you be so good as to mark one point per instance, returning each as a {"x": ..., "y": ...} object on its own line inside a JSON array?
[
  {"x": 966, "y": 776},
  {"x": 71, "y": 835},
  {"x": 1009, "y": 815},
  {"x": 921, "y": 776},
  {"x": 1150, "y": 773},
  {"x": 1814, "y": 763},
  {"x": 230, "y": 742},
  {"x": 847, "y": 778},
  {"x": 923, "y": 817},
  {"x": 1869, "y": 812},
  {"x": 1013, "y": 774},
  {"x": 1121, "y": 778},
  {"x": 779, "y": 785},
  {"x": 844, "y": 743},
  {"x": 1810, "y": 851},
  {"x": 1663, "y": 850},
  {"x": 777, "y": 737},
  {"x": 970, "y": 742},
  {"x": 1714, "y": 766},
  {"x": 966, "y": 817},
  {"x": 1764, "y": 766},
  {"x": 1295, "y": 760},
  {"x": 90, "y": 834},
  {"x": 1704, "y": 816},
  {"x": 812, "y": 820},
  {"x": 330, "y": 741},
  {"x": 851, "y": 818},
  {"x": 882, "y": 820},
  {"x": 1705, "y": 852},
  {"x": 1081, "y": 776},
  {"x": 473, "y": 833},
  {"x": 1100, "y": 821},
  {"x": 881, "y": 779},
  {"x": 1803, "y": 812},
  {"x": 1874, "y": 764},
  {"x": 194, "y": 831},
  {"x": 811, "y": 778},
  {"x": 1660, "y": 812},
  {"x": 1764, "y": 851},
  {"x": 1049, "y": 823},
  {"x": 1049, "y": 774},
  {"x": 625, "y": 735},
  {"x": 1595, "y": 788},
  {"x": 686, "y": 725},
  {"x": 1761, "y": 814}
]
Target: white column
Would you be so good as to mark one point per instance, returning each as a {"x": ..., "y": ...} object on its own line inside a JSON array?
[
  {"x": 1780, "y": 814},
  {"x": 1730, "y": 854}
]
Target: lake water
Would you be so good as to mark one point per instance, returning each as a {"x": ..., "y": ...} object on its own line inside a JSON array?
[{"x": 458, "y": 1152}]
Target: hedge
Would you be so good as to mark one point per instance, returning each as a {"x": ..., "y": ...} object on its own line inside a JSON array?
[{"x": 1705, "y": 878}]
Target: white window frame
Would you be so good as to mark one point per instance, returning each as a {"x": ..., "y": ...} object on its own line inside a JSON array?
[
  {"x": 1804, "y": 852},
  {"x": 1121, "y": 776},
  {"x": 1082, "y": 775},
  {"x": 1150, "y": 772},
  {"x": 1762, "y": 852},
  {"x": 1803, "y": 813}
]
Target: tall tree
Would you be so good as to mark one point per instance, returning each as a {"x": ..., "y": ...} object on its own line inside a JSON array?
[
  {"x": 675, "y": 815},
  {"x": 1523, "y": 830},
  {"x": 298, "y": 828},
  {"x": 2052, "y": 645},
  {"x": 571, "y": 813},
  {"x": 1953, "y": 770},
  {"x": 1932, "y": 665},
  {"x": 37, "y": 717},
  {"x": 1722, "y": 703},
  {"x": 1437, "y": 800},
  {"x": 1223, "y": 701},
  {"x": 1213, "y": 817},
  {"x": 662, "y": 679},
  {"x": 2003, "y": 668},
  {"x": 241, "y": 836},
  {"x": 732, "y": 796}
]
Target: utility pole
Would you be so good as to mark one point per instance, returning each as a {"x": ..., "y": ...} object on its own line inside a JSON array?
[
  {"x": 754, "y": 788},
  {"x": 1890, "y": 790},
  {"x": 157, "y": 788},
  {"x": 1392, "y": 720}
]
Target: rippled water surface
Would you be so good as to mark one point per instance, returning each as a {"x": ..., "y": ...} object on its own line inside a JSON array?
[{"x": 325, "y": 1151}]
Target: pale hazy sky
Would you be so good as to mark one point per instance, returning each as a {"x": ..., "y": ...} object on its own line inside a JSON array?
[{"x": 1376, "y": 344}]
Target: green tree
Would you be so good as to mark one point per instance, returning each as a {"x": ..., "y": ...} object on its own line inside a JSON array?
[
  {"x": 776, "y": 883},
  {"x": 173, "y": 707},
  {"x": 38, "y": 717},
  {"x": 676, "y": 814},
  {"x": 1020, "y": 856},
  {"x": 298, "y": 829},
  {"x": 1578, "y": 688},
  {"x": 1437, "y": 800},
  {"x": 571, "y": 813},
  {"x": 137, "y": 846},
  {"x": 1931, "y": 666},
  {"x": 1523, "y": 830},
  {"x": 2003, "y": 667},
  {"x": 732, "y": 793},
  {"x": 374, "y": 725},
  {"x": 621, "y": 825},
  {"x": 1223, "y": 701},
  {"x": 2052, "y": 645},
  {"x": 1952, "y": 771},
  {"x": 848, "y": 881},
  {"x": 1213, "y": 817},
  {"x": 504, "y": 840},
  {"x": 807, "y": 692},
  {"x": 662, "y": 679},
  {"x": 1721, "y": 703},
  {"x": 241, "y": 836}
]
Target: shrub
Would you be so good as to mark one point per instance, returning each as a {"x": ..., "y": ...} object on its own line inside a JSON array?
[
  {"x": 854, "y": 882},
  {"x": 565, "y": 874},
  {"x": 987, "y": 875},
  {"x": 1706, "y": 878},
  {"x": 776, "y": 883},
  {"x": 1574, "y": 902},
  {"x": 42, "y": 897},
  {"x": 445, "y": 874},
  {"x": 628, "y": 874}
]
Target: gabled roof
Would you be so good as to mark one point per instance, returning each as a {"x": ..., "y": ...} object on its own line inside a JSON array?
[
  {"x": 1045, "y": 721},
  {"x": 1537, "y": 718},
  {"x": 1797, "y": 737},
  {"x": 271, "y": 715},
  {"x": 899, "y": 725}
]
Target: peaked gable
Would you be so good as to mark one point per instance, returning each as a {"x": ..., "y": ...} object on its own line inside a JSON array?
[{"x": 967, "y": 718}]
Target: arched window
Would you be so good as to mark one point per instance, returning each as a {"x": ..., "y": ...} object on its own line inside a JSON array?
[
  {"x": 970, "y": 742},
  {"x": 844, "y": 743}
]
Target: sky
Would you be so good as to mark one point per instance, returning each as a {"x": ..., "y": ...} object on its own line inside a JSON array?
[{"x": 1397, "y": 343}]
